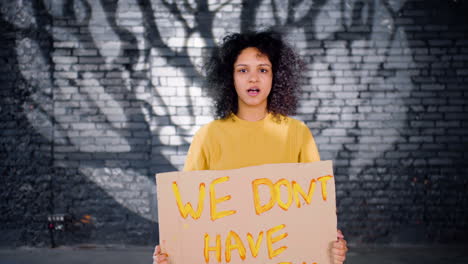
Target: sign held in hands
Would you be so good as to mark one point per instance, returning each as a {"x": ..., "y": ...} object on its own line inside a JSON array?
[{"x": 275, "y": 213}]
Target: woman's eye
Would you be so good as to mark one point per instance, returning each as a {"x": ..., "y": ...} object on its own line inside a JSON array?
[
  {"x": 263, "y": 70},
  {"x": 243, "y": 70}
]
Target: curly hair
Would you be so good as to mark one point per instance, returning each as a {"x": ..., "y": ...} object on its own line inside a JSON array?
[{"x": 286, "y": 65}]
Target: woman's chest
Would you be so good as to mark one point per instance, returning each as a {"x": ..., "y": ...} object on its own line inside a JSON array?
[{"x": 253, "y": 147}]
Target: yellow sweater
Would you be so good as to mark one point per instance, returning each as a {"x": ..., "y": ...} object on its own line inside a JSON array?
[{"x": 234, "y": 143}]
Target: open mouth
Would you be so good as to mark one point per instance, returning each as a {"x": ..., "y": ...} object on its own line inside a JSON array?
[{"x": 253, "y": 91}]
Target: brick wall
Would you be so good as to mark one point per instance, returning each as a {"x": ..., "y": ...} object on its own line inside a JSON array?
[{"x": 98, "y": 96}]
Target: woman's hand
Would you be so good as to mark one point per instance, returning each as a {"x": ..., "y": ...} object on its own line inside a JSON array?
[
  {"x": 339, "y": 249},
  {"x": 158, "y": 257}
]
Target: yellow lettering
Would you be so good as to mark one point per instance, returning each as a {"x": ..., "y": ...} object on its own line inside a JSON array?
[
  {"x": 297, "y": 189},
  {"x": 271, "y": 240},
  {"x": 323, "y": 180},
  {"x": 254, "y": 247},
  {"x": 214, "y": 201},
  {"x": 188, "y": 209},
  {"x": 237, "y": 245},
  {"x": 278, "y": 185},
  {"x": 259, "y": 209},
  {"x": 216, "y": 248}
]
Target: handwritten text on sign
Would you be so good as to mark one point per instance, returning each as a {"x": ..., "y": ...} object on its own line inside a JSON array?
[{"x": 277, "y": 213}]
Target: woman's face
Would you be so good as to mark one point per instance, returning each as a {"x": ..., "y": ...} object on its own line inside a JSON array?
[{"x": 253, "y": 76}]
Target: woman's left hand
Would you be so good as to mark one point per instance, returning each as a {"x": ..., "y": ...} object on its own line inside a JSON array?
[{"x": 339, "y": 249}]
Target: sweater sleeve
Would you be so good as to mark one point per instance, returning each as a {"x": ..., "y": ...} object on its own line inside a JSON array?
[
  {"x": 197, "y": 158},
  {"x": 308, "y": 149}
]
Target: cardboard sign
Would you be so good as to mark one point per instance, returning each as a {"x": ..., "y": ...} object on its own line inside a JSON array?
[{"x": 276, "y": 213}]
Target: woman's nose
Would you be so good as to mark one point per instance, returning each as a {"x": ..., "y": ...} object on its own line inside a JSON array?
[{"x": 253, "y": 77}]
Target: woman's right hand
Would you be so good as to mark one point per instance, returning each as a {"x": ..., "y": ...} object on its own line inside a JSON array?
[{"x": 159, "y": 257}]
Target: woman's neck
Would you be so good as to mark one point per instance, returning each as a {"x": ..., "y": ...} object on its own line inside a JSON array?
[{"x": 252, "y": 114}]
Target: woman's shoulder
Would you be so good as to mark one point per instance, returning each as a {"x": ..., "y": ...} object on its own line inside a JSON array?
[{"x": 212, "y": 126}]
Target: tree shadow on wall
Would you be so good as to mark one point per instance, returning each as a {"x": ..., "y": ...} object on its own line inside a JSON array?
[
  {"x": 78, "y": 118},
  {"x": 435, "y": 171},
  {"x": 368, "y": 183},
  {"x": 33, "y": 185},
  {"x": 101, "y": 143},
  {"x": 58, "y": 131},
  {"x": 413, "y": 192}
]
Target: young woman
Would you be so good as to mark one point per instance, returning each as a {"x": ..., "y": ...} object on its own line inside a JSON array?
[{"x": 254, "y": 80}]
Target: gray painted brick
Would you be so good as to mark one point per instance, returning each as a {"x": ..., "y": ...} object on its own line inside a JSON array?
[{"x": 385, "y": 115}]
